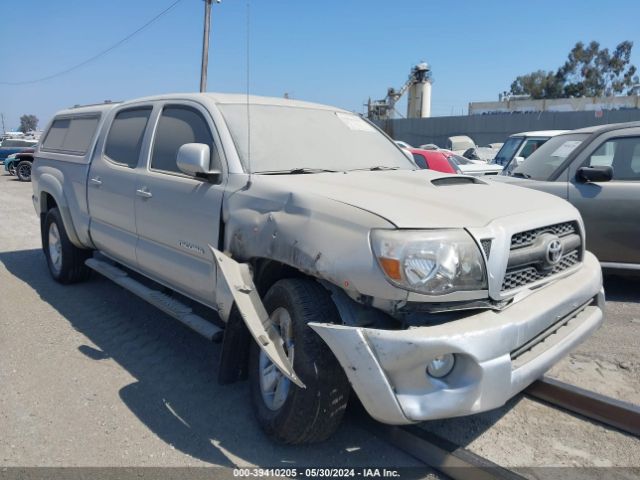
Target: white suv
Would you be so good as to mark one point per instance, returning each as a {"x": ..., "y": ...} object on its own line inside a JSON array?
[{"x": 519, "y": 146}]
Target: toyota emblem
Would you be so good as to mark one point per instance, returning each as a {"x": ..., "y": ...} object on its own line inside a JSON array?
[{"x": 554, "y": 252}]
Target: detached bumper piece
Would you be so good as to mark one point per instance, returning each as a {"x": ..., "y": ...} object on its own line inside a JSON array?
[{"x": 497, "y": 354}]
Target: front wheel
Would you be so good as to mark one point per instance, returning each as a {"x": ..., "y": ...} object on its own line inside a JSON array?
[
  {"x": 23, "y": 171},
  {"x": 286, "y": 412},
  {"x": 64, "y": 259},
  {"x": 12, "y": 169}
]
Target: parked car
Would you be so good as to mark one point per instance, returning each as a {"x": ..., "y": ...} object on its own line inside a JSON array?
[
  {"x": 460, "y": 144},
  {"x": 519, "y": 146},
  {"x": 11, "y": 146},
  {"x": 465, "y": 147},
  {"x": 597, "y": 169},
  {"x": 434, "y": 160},
  {"x": 318, "y": 238},
  {"x": 8, "y": 165},
  {"x": 473, "y": 167},
  {"x": 467, "y": 166},
  {"x": 402, "y": 144},
  {"x": 19, "y": 164}
]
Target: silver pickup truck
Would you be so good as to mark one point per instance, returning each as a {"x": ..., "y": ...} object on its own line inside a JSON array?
[{"x": 322, "y": 258}]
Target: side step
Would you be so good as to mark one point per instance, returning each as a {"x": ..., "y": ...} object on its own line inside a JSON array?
[{"x": 167, "y": 304}]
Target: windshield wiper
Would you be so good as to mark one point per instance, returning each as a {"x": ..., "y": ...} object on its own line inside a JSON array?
[
  {"x": 296, "y": 171},
  {"x": 375, "y": 169}
]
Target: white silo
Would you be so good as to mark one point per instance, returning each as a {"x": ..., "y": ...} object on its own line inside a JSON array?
[{"x": 419, "y": 102}]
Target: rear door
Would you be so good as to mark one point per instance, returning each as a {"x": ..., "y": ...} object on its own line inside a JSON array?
[
  {"x": 611, "y": 210},
  {"x": 178, "y": 216},
  {"x": 112, "y": 183}
]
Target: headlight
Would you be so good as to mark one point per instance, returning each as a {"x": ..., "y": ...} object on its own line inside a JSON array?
[{"x": 434, "y": 262}]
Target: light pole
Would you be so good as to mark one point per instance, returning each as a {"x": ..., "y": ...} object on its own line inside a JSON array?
[{"x": 205, "y": 44}]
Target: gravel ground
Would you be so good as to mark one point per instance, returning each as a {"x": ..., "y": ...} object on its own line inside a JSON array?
[
  {"x": 96, "y": 377},
  {"x": 609, "y": 363}
]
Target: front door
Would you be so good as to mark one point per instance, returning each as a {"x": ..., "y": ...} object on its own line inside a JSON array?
[
  {"x": 112, "y": 183},
  {"x": 178, "y": 216},
  {"x": 611, "y": 210}
]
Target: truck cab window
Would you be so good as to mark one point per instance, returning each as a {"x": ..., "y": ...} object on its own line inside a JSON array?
[
  {"x": 178, "y": 125},
  {"x": 125, "y": 137}
]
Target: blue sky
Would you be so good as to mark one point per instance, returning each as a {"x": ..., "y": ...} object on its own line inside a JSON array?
[{"x": 331, "y": 51}]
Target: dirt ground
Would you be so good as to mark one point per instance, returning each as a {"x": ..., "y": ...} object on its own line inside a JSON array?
[{"x": 93, "y": 376}]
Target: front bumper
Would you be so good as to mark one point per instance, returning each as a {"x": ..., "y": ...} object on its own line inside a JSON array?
[{"x": 498, "y": 353}]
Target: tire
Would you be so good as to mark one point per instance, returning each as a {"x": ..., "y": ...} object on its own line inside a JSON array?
[
  {"x": 23, "y": 171},
  {"x": 12, "y": 169},
  {"x": 310, "y": 414},
  {"x": 64, "y": 259}
]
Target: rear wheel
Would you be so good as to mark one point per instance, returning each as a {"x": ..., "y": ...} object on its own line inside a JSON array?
[
  {"x": 64, "y": 259},
  {"x": 12, "y": 169},
  {"x": 286, "y": 412},
  {"x": 23, "y": 171}
]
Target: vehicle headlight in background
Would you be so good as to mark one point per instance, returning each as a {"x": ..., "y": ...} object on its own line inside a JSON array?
[{"x": 433, "y": 262}]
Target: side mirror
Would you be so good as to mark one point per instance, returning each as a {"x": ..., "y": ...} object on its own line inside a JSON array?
[
  {"x": 519, "y": 160},
  {"x": 194, "y": 159},
  {"x": 595, "y": 174}
]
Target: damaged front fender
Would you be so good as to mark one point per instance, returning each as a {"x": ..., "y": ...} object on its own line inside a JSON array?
[{"x": 239, "y": 283}]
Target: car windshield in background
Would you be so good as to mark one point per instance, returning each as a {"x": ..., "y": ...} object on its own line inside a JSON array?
[
  {"x": 460, "y": 160},
  {"x": 17, "y": 143},
  {"x": 291, "y": 138},
  {"x": 545, "y": 161},
  {"x": 508, "y": 150}
]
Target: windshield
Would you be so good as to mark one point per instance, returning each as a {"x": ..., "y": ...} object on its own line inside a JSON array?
[
  {"x": 545, "y": 161},
  {"x": 17, "y": 143},
  {"x": 459, "y": 160},
  {"x": 290, "y": 138},
  {"x": 508, "y": 150}
]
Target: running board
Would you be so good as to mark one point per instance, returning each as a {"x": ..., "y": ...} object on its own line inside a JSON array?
[{"x": 181, "y": 312}]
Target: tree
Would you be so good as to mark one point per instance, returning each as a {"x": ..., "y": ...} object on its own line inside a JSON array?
[
  {"x": 589, "y": 71},
  {"x": 594, "y": 72},
  {"x": 28, "y": 123},
  {"x": 538, "y": 84}
]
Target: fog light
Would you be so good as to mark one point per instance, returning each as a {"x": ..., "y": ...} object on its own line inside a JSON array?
[{"x": 441, "y": 366}]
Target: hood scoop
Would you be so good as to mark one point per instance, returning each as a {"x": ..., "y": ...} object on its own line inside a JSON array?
[{"x": 457, "y": 180}]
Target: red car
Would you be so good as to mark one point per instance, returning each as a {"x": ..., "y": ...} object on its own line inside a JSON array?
[{"x": 434, "y": 160}]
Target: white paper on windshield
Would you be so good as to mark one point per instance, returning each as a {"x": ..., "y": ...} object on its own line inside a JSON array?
[
  {"x": 354, "y": 122},
  {"x": 566, "y": 148}
]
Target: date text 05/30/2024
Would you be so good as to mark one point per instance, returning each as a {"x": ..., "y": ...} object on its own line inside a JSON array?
[{"x": 316, "y": 472}]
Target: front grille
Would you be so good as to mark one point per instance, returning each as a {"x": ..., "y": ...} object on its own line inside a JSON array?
[
  {"x": 528, "y": 275},
  {"x": 524, "y": 239},
  {"x": 527, "y": 254}
]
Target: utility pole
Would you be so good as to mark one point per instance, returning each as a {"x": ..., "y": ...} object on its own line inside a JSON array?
[
  {"x": 205, "y": 44},
  {"x": 3, "y": 130}
]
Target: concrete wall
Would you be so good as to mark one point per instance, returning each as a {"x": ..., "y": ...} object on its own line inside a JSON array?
[
  {"x": 492, "y": 128},
  {"x": 556, "y": 105}
]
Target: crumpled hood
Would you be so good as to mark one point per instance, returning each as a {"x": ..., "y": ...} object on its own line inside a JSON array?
[{"x": 409, "y": 199}]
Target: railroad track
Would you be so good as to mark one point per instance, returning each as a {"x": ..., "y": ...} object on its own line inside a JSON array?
[
  {"x": 459, "y": 463},
  {"x": 606, "y": 410}
]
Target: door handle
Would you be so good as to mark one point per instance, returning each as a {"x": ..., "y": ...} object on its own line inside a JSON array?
[
  {"x": 144, "y": 193},
  {"x": 96, "y": 181}
]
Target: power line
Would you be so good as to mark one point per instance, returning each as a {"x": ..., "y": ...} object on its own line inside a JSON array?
[{"x": 100, "y": 54}]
